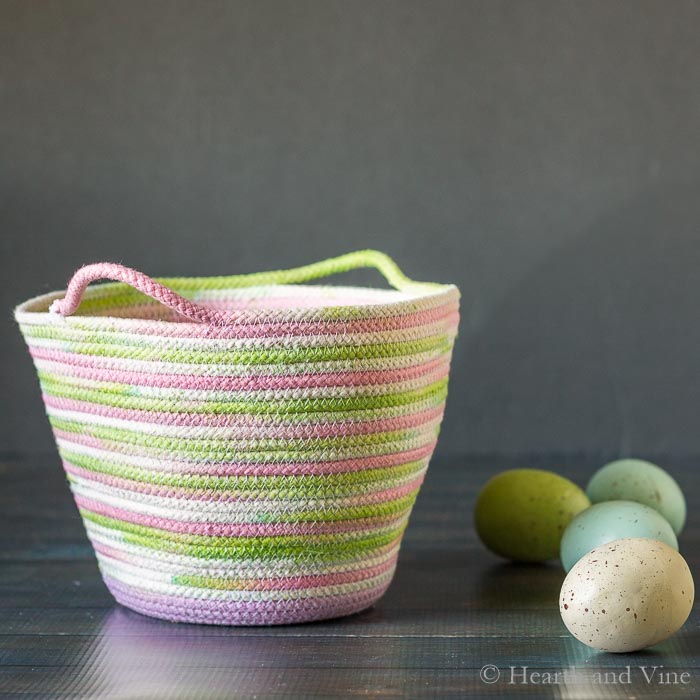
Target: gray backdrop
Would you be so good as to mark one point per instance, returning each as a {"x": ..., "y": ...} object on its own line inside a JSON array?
[{"x": 541, "y": 155}]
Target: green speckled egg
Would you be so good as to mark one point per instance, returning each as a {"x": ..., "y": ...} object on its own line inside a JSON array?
[
  {"x": 644, "y": 482},
  {"x": 609, "y": 521},
  {"x": 521, "y": 514}
]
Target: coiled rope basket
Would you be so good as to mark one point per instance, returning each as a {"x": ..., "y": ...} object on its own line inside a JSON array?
[{"x": 244, "y": 450}]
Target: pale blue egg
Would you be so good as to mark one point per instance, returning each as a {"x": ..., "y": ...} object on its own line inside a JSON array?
[
  {"x": 644, "y": 482},
  {"x": 609, "y": 521}
]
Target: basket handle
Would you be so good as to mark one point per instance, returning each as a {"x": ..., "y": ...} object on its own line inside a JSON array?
[{"x": 160, "y": 289}]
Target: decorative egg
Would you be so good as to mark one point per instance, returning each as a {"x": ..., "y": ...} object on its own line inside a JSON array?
[
  {"x": 627, "y": 595},
  {"x": 609, "y": 521},
  {"x": 521, "y": 514},
  {"x": 644, "y": 482}
]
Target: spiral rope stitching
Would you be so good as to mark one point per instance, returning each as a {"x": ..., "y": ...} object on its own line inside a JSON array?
[{"x": 244, "y": 450}]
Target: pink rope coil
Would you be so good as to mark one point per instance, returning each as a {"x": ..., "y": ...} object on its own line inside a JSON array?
[{"x": 138, "y": 280}]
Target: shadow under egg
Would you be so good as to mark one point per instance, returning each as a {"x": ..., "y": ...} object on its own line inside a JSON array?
[{"x": 519, "y": 585}]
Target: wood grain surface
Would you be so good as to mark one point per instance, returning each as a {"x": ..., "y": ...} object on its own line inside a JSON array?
[{"x": 452, "y": 610}]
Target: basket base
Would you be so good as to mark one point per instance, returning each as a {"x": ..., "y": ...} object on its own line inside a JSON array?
[{"x": 219, "y": 612}]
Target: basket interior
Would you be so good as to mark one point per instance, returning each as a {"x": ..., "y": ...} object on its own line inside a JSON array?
[{"x": 121, "y": 301}]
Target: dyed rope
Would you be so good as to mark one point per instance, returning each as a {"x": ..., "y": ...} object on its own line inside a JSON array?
[{"x": 246, "y": 449}]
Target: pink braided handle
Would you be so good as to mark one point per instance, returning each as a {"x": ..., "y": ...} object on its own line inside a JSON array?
[{"x": 143, "y": 283}]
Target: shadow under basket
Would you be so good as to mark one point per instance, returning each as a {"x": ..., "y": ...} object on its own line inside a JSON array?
[{"x": 244, "y": 450}]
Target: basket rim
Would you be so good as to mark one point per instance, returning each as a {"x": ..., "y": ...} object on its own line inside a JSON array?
[{"x": 419, "y": 296}]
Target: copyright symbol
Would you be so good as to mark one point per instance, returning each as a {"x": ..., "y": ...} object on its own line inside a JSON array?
[{"x": 489, "y": 673}]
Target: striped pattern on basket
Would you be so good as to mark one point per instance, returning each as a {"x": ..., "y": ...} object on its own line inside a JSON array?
[{"x": 247, "y": 449}]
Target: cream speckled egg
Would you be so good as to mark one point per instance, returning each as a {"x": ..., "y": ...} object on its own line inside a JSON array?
[{"x": 627, "y": 595}]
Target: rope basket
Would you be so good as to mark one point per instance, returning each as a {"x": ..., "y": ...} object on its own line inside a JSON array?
[{"x": 244, "y": 450}]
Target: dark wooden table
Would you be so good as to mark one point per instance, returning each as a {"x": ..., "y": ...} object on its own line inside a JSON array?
[{"x": 452, "y": 611}]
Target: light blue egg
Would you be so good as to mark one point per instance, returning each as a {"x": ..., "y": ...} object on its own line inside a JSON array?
[
  {"x": 609, "y": 521},
  {"x": 644, "y": 482}
]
